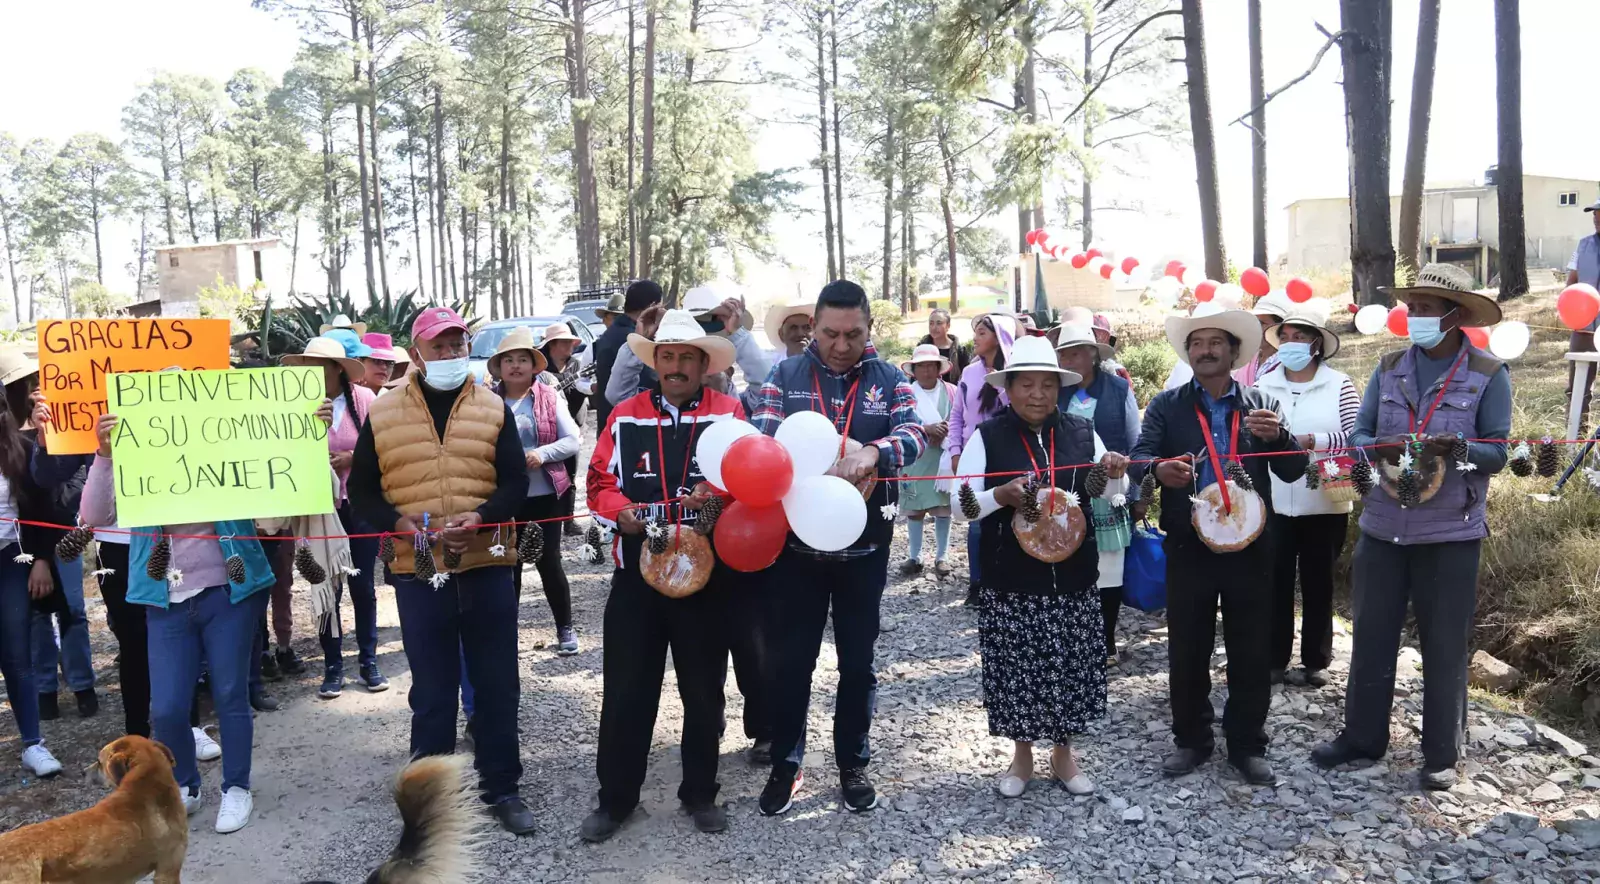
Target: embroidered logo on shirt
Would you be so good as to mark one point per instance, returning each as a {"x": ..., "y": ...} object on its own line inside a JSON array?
[{"x": 873, "y": 402}]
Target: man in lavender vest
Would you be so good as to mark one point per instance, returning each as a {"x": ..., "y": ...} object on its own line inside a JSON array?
[{"x": 1421, "y": 404}]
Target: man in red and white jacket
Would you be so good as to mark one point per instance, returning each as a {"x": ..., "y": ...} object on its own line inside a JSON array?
[{"x": 644, "y": 469}]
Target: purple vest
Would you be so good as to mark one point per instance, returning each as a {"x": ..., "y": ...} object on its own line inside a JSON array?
[{"x": 1457, "y": 511}]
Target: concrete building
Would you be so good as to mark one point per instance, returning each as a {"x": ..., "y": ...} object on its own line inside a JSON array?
[
  {"x": 183, "y": 270},
  {"x": 1460, "y": 225}
]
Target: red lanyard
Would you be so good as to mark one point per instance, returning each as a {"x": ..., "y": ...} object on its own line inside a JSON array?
[
  {"x": 849, "y": 408},
  {"x": 1216, "y": 460},
  {"x": 1049, "y": 461},
  {"x": 1423, "y": 427},
  {"x": 661, "y": 453}
]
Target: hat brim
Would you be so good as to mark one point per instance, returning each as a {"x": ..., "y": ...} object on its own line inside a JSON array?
[
  {"x": 540, "y": 363},
  {"x": 1105, "y": 350},
  {"x": 1477, "y": 310},
  {"x": 719, "y": 350},
  {"x": 944, "y": 365},
  {"x": 1330, "y": 341},
  {"x": 997, "y": 379},
  {"x": 1239, "y": 323},
  {"x": 18, "y": 373},
  {"x": 360, "y": 328},
  {"x": 353, "y": 368},
  {"x": 776, "y": 314}
]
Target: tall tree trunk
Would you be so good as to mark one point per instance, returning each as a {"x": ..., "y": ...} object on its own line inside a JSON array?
[
  {"x": 946, "y": 189},
  {"x": 377, "y": 169},
  {"x": 329, "y": 224},
  {"x": 361, "y": 154},
  {"x": 1205, "y": 144},
  {"x": 6, "y": 213},
  {"x": 1030, "y": 93},
  {"x": 188, "y": 198},
  {"x": 468, "y": 292},
  {"x": 823, "y": 158},
  {"x": 1365, "y": 51},
  {"x": 416, "y": 216},
  {"x": 908, "y": 232},
  {"x": 647, "y": 153},
  {"x": 1508, "y": 103},
  {"x": 508, "y": 212},
  {"x": 583, "y": 151},
  {"x": 1410, "y": 244},
  {"x": 447, "y": 252},
  {"x": 838, "y": 153},
  {"x": 1086, "y": 208},
  {"x": 888, "y": 199},
  {"x": 294, "y": 254},
  {"x": 633, "y": 207},
  {"x": 1258, "y": 140},
  {"x": 138, "y": 265},
  {"x": 216, "y": 209},
  {"x": 99, "y": 254}
]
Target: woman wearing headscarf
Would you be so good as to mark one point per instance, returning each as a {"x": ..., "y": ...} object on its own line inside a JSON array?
[
  {"x": 976, "y": 402},
  {"x": 923, "y": 497},
  {"x": 1039, "y": 630},
  {"x": 339, "y": 353}
]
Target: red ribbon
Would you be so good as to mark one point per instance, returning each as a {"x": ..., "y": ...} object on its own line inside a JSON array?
[
  {"x": 1423, "y": 427},
  {"x": 849, "y": 408},
  {"x": 1049, "y": 461},
  {"x": 1216, "y": 461}
]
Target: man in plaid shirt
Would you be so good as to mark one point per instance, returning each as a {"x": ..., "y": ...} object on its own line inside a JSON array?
[{"x": 868, "y": 400}]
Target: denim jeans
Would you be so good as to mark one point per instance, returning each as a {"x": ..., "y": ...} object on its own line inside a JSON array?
[
  {"x": 468, "y": 701},
  {"x": 16, "y": 667},
  {"x": 72, "y": 655},
  {"x": 363, "y": 597},
  {"x": 226, "y": 633}
]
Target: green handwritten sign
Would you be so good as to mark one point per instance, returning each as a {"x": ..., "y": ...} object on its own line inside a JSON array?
[{"x": 200, "y": 446}]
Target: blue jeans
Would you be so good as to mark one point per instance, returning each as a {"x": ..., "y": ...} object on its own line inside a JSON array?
[
  {"x": 475, "y": 612},
  {"x": 363, "y": 597},
  {"x": 468, "y": 701},
  {"x": 211, "y": 623},
  {"x": 16, "y": 667},
  {"x": 73, "y": 653}
]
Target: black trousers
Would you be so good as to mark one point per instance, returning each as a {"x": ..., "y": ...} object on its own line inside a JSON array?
[
  {"x": 1197, "y": 580},
  {"x": 557, "y": 591},
  {"x": 641, "y": 625},
  {"x": 1307, "y": 545},
  {"x": 1110, "y": 608},
  {"x": 749, "y": 606}
]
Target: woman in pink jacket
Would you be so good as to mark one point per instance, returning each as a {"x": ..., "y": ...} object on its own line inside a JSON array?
[{"x": 976, "y": 402}]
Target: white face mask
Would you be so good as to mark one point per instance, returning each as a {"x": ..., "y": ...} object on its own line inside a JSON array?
[{"x": 446, "y": 374}]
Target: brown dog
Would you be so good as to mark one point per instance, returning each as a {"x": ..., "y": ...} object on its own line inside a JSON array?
[{"x": 138, "y": 829}]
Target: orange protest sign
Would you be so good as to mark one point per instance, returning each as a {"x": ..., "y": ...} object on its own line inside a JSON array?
[{"x": 76, "y": 355}]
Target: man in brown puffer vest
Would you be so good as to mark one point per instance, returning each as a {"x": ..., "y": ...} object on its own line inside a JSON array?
[{"x": 440, "y": 454}]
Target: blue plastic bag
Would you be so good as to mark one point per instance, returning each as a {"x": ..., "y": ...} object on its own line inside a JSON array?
[{"x": 1144, "y": 570}]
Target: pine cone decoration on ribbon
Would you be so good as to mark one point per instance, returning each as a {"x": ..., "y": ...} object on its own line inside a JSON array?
[
  {"x": 1458, "y": 448},
  {"x": 386, "y": 549},
  {"x": 1030, "y": 500},
  {"x": 709, "y": 514},
  {"x": 592, "y": 538},
  {"x": 307, "y": 565},
  {"x": 1409, "y": 488},
  {"x": 160, "y": 559},
  {"x": 1147, "y": 486},
  {"x": 530, "y": 544},
  {"x": 657, "y": 537},
  {"x": 452, "y": 560},
  {"x": 422, "y": 562},
  {"x": 1237, "y": 474},
  {"x": 1361, "y": 475},
  {"x": 1521, "y": 462},
  {"x": 71, "y": 546},
  {"x": 235, "y": 566},
  {"x": 969, "y": 502},
  {"x": 1095, "y": 484},
  {"x": 1313, "y": 476},
  {"x": 1549, "y": 460}
]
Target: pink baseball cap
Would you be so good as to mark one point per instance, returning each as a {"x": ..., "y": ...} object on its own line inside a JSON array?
[
  {"x": 433, "y": 321},
  {"x": 383, "y": 347}
]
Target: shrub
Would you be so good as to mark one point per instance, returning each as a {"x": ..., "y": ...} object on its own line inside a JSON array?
[
  {"x": 1148, "y": 363},
  {"x": 886, "y": 325}
]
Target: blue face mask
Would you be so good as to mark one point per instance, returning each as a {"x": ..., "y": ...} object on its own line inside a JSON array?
[
  {"x": 1424, "y": 331},
  {"x": 1295, "y": 355},
  {"x": 446, "y": 374}
]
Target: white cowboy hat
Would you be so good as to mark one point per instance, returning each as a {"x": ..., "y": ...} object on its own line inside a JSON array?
[
  {"x": 679, "y": 327},
  {"x": 1032, "y": 353},
  {"x": 1073, "y": 335},
  {"x": 519, "y": 338},
  {"x": 1312, "y": 315},
  {"x": 701, "y": 299},
  {"x": 779, "y": 312},
  {"x": 320, "y": 350},
  {"x": 557, "y": 331},
  {"x": 343, "y": 321},
  {"x": 925, "y": 353},
  {"x": 1453, "y": 284},
  {"x": 15, "y": 365},
  {"x": 1273, "y": 303},
  {"x": 1238, "y": 323}
]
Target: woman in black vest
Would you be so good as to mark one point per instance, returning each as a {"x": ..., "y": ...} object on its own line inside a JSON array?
[{"x": 1039, "y": 623}]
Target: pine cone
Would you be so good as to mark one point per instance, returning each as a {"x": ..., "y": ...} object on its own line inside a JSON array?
[
  {"x": 1521, "y": 462},
  {"x": 160, "y": 560},
  {"x": 1313, "y": 476},
  {"x": 1458, "y": 448},
  {"x": 658, "y": 537},
  {"x": 235, "y": 566},
  {"x": 1030, "y": 500},
  {"x": 1409, "y": 488},
  {"x": 452, "y": 560},
  {"x": 1095, "y": 484},
  {"x": 1549, "y": 460},
  {"x": 709, "y": 514},
  {"x": 386, "y": 549},
  {"x": 422, "y": 562},
  {"x": 307, "y": 565},
  {"x": 1147, "y": 487},
  {"x": 530, "y": 544},
  {"x": 1361, "y": 475},
  {"x": 71, "y": 546},
  {"x": 1237, "y": 474},
  {"x": 592, "y": 538}
]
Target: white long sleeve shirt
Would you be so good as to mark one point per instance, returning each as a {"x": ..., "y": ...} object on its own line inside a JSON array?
[{"x": 975, "y": 462}]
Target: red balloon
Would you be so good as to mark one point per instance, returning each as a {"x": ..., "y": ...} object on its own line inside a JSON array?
[
  {"x": 1129, "y": 263},
  {"x": 1175, "y": 269},
  {"x": 757, "y": 470},
  {"x": 1298, "y": 290},
  {"x": 1255, "y": 283},
  {"x": 1478, "y": 336},
  {"x": 1051, "y": 249},
  {"x": 1105, "y": 270},
  {"x": 1079, "y": 259},
  {"x": 1032, "y": 237},
  {"x": 1578, "y": 305},
  {"x": 1205, "y": 291},
  {"x": 1093, "y": 254},
  {"x": 1041, "y": 236},
  {"x": 749, "y": 538},
  {"x": 1396, "y": 322},
  {"x": 1353, "y": 308}
]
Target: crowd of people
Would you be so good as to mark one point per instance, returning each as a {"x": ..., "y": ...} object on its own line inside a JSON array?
[{"x": 448, "y": 483}]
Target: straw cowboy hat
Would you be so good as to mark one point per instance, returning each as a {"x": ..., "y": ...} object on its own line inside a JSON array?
[
  {"x": 323, "y": 349},
  {"x": 557, "y": 331},
  {"x": 343, "y": 321},
  {"x": 925, "y": 353},
  {"x": 1239, "y": 323},
  {"x": 519, "y": 338},
  {"x": 1073, "y": 335},
  {"x": 1312, "y": 315},
  {"x": 15, "y": 365},
  {"x": 1032, "y": 353},
  {"x": 779, "y": 313},
  {"x": 679, "y": 327},
  {"x": 1453, "y": 284},
  {"x": 613, "y": 306}
]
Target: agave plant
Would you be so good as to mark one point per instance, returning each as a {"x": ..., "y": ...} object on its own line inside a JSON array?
[{"x": 287, "y": 331}]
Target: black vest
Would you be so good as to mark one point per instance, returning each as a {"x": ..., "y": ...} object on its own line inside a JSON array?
[
  {"x": 1110, "y": 394},
  {"x": 1006, "y": 566}
]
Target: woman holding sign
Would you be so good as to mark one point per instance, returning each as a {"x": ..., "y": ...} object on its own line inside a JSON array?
[{"x": 338, "y": 352}]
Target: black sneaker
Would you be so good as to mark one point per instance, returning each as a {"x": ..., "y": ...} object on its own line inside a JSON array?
[
  {"x": 709, "y": 818},
  {"x": 599, "y": 826},
  {"x": 88, "y": 702},
  {"x": 49, "y": 707},
  {"x": 289, "y": 662},
  {"x": 514, "y": 815},
  {"x": 856, "y": 787},
  {"x": 332, "y": 684},
  {"x": 910, "y": 568},
  {"x": 261, "y": 701},
  {"x": 780, "y": 790},
  {"x": 269, "y": 667},
  {"x": 373, "y": 679}
]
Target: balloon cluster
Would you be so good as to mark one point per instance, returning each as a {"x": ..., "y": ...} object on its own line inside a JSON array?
[
  {"x": 1508, "y": 340},
  {"x": 778, "y": 486}
]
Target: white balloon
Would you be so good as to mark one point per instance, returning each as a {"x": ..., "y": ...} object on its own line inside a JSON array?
[
  {"x": 1140, "y": 277},
  {"x": 812, "y": 442},
  {"x": 1509, "y": 340},
  {"x": 714, "y": 444},
  {"x": 1167, "y": 287},
  {"x": 825, "y": 512},
  {"x": 1371, "y": 319},
  {"x": 1095, "y": 264},
  {"x": 1193, "y": 276},
  {"x": 1229, "y": 295}
]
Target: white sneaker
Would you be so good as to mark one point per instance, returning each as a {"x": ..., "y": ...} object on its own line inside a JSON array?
[
  {"x": 205, "y": 748},
  {"x": 191, "y": 802},
  {"x": 39, "y": 760},
  {"x": 235, "y": 810}
]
